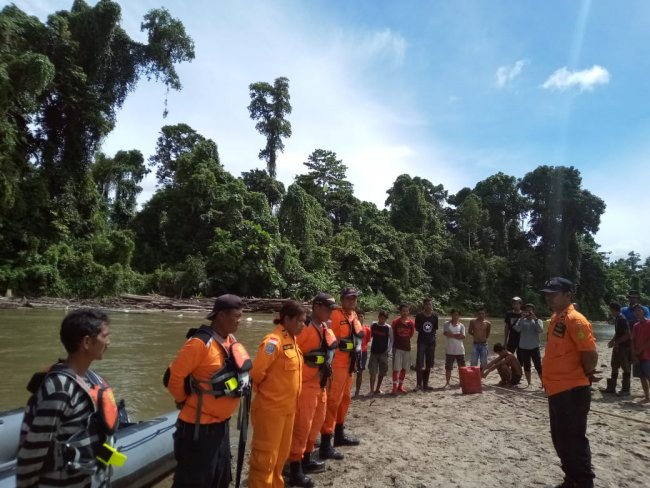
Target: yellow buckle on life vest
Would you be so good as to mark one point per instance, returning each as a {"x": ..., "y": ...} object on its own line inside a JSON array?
[
  {"x": 349, "y": 346},
  {"x": 231, "y": 384},
  {"x": 110, "y": 456},
  {"x": 318, "y": 360}
]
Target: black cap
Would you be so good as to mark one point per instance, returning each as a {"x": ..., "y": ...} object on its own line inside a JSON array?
[
  {"x": 557, "y": 284},
  {"x": 633, "y": 294},
  {"x": 349, "y": 291},
  {"x": 324, "y": 299},
  {"x": 225, "y": 302}
]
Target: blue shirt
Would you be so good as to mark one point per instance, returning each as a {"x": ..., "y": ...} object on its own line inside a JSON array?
[{"x": 628, "y": 313}]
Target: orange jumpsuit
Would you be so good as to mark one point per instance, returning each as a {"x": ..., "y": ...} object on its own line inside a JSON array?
[
  {"x": 201, "y": 360},
  {"x": 276, "y": 377},
  {"x": 338, "y": 397},
  {"x": 312, "y": 401}
]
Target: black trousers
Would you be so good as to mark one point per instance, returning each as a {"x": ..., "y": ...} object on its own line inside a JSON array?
[
  {"x": 204, "y": 463},
  {"x": 531, "y": 354},
  {"x": 568, "y": 414},
  {"x": 425, "y": 356}
]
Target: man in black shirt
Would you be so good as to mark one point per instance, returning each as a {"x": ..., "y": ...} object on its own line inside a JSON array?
[
  {"x": 426, "y": 324},
  {"x": 621, "y": 346},
  {"x": 511, "y": 338}
]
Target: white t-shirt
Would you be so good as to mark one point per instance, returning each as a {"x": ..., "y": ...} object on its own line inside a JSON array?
[{"x": 454, "y": 346}]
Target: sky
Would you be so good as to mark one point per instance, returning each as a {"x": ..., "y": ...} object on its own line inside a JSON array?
[{"x": 449, "y": 91}]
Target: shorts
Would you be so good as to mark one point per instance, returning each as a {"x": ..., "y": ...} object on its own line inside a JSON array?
[
  {"x": 401, "y": 360},
  {"x": 450, "y": 358},
  {"x": 515, "y": 379},
  {"x": 425, "y": 356},
  {"x": 479, "y": 353},
  {"x": 378, "y": 363},
  {"x": 642, "y": 369},
  {"x": 362, "y": 359}
]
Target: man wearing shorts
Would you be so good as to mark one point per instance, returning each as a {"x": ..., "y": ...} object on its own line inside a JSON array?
[
  {"x": 479, "y": 329},
  {"x": 641, "y": 358},
  {"x": 403, "y": 330},
  {"x": 454, "y": 348},
  {"x": 506, "y": 364},
  {"x": 381, "y": 348},
  {"x": 426, "y": 323},
  {"x": 362, "y": 358}
]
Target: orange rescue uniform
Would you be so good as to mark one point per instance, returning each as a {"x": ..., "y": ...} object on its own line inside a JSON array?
[
  {"x": 568, "y": 335},
  {"x": 312, "y": 401},
  {"x": 201, "y": 360},
  {"x": 276, "y": 377},
  {"x": 338, "y": 398}
]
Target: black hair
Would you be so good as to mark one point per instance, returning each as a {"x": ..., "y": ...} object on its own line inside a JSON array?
[
  {"x": 454, "y": 310},
  {"x": 498, "y": 347},
  {"x": 427, "y": 300},
  {"x": 290, "y": 308},
  {"x": 383, "y": 313},
  {"x": 79, "y": 324},
  {"x": 637, "y": 305},
  {"x": 481, "y": 308},
  {"x": 404, "y": 305},
  {"x": 615, "y": 306}
]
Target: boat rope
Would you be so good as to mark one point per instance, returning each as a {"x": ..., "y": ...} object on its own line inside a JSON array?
[{"x": 139, "y": 442}]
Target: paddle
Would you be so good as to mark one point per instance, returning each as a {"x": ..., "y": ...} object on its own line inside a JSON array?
[{"x": 242, "y": 426}]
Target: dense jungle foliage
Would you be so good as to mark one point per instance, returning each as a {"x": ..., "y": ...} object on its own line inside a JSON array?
[{"x": 70, "y": 224}]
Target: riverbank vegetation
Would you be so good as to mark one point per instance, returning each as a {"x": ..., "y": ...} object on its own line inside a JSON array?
[{"x": 70, "y": 224}]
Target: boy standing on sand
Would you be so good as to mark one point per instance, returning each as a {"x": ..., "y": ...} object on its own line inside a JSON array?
[
  {"x": 454, "y": 331},
  {"x": 381, "y": 349},
  {"x": 403, "y": 330},
  {"x": 362, "y": 359},
  {"x": 479, "y": 328},
  {"x": 426, "y": 323},
  {"x": 506, "y": 364}
]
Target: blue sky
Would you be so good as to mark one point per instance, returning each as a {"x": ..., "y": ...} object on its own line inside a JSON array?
[{"x": 450, "y": 91}]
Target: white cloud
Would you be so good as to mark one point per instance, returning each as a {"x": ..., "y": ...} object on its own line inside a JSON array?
[
  {"x": 586, "y": 79},
  {"x": 506, "y": 74},
  {"x": 386, "y": 43}
]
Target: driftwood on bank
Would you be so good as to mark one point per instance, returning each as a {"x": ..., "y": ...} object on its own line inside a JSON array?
[{"x": 132, "y": 303}]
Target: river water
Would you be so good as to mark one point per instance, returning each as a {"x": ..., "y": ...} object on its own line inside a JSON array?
[{"x": 142, "y": 346}]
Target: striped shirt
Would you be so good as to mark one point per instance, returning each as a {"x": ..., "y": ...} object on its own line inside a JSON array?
[{"x": 59, "y": 412}]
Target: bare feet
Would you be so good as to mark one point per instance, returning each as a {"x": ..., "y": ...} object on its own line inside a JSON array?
[{"x": 645, "y": 400}]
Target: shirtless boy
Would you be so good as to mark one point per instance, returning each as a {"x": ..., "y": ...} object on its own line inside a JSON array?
[
  {"x": 479, "y": 329},
  {"x": 506, "y": 364}
]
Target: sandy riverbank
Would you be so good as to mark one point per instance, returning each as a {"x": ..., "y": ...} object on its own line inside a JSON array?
[{"x": 497, "y": 438}]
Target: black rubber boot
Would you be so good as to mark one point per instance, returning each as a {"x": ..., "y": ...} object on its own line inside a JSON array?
[
  {"x": 310, "y": 465},
  {"x": 326, "y": 451},
  {"x": 611, "y": 386},
  {"x": 297, "y": 477},
  {"x": 342, "y": 439},
  {"x": 625, "y": 386},
  {"x": 418, "y": 380}
]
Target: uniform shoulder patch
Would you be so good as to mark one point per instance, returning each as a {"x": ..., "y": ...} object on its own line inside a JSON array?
[{"x": 271, "y": 346}]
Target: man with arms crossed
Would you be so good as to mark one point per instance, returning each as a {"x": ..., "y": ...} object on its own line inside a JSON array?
[{"x": 568, "y": 369}]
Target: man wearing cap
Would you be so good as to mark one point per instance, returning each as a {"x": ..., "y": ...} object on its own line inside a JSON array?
[
  {"x": 568, "y": 369},
  {"x": 318, "y": 344},
  {"x": 511, "y": 336},
  {"x": 348, "y": 332},
  {"x": 201, "y": 440}
]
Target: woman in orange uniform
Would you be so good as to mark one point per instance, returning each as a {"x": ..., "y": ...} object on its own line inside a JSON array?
[
  {"x": 276, "y": 377},
  {"x": 348, "y": 331},
  {"x": 317, "y": 343}
]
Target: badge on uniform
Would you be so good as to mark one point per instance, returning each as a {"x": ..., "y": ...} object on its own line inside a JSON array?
[
  {"x": 287, "y": 346},
  {"x": 559, "y": 330},
  {"x": 270, "y": 346}
]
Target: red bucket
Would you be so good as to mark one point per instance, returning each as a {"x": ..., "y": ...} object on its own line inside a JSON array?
[{"x": 470, "y": 379}]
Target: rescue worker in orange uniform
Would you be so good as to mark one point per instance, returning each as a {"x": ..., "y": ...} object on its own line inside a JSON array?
[
  {"x": 206, "y": 380},
  {"x": 276, "y": 377},
  {"x": 318, "y": 344},
  {"x": 349, "y": 333}
]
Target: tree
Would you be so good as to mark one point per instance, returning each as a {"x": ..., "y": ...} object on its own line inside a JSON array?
[
  {"x": 416, "y": 205},
  {"x": 470, "y": 215},
  {"x": 258, "y": 180},
  {"x": 561, "y": 212},
  {"x": 173, "y": 142},
  {"x": 270, "y": 107}
]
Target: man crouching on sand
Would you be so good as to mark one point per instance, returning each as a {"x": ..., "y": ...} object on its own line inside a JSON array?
[{"x": 506, "y": 364}]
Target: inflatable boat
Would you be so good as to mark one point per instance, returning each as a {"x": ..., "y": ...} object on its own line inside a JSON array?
[{"x": 148, "y": 446}]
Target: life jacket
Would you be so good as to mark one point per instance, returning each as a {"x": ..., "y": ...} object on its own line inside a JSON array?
[
  {"x": 352, "y": 343},
  {"x": 106, "y": 409},
  {"x": 84, "y": 449},
  {"x": 324, "y": 353},
  {"x": 232, "y": 380}
]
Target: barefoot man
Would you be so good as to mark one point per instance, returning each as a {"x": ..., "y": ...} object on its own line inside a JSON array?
[
  {"x": 479, "y": 329},
  {"x": 506, "y": 364}
]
